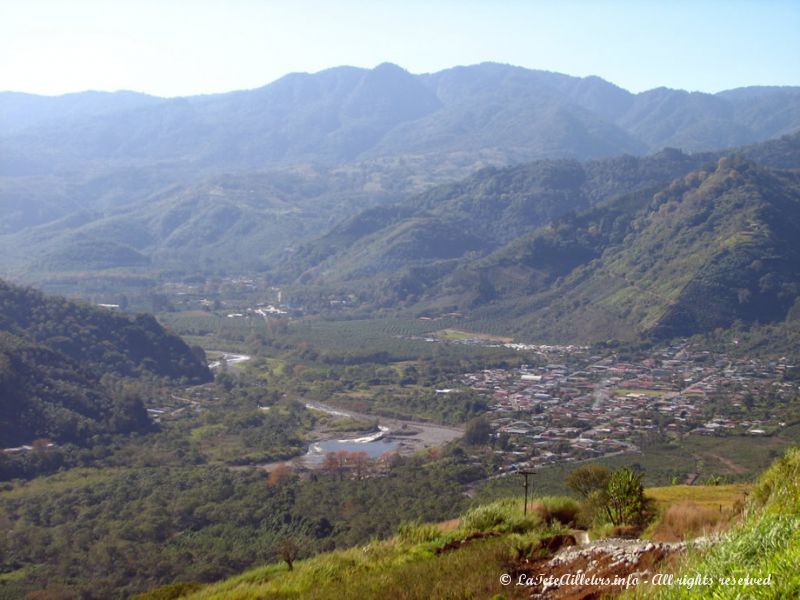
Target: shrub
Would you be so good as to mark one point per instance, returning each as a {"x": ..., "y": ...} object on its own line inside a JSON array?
[
  {"x": 587, "y": 479},
  {"x": 503, "y": 515},
  {"x": 563, "y": 510},
  {"x": 626, "y": 503}
]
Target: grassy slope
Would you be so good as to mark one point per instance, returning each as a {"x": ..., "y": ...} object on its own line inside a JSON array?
[
  {"x": 766, "y": 542},
  {"x": 408, "y": 567}
]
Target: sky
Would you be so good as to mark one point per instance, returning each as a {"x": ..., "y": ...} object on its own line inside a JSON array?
[{"x": 188, "y": 47}]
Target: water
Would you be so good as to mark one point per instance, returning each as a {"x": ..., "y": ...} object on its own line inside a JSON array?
[{"x": 374, "y": 448}]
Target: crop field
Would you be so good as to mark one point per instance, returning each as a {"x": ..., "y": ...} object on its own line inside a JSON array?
[
  {"x": 202, "y": 325},
  {"x": 711, "y": 496},
  {"x": 393, "y": 336}
]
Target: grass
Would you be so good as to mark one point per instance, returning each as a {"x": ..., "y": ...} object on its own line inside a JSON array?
[
  {"x": 66, "y": 480},
  {"x": 687, "y": 520},
  {"x": 415, "y": 564},
  {"x": 707, "y": 496},
  {"x": 766, "y": 543},
  {"x": 454, "y": 335}
]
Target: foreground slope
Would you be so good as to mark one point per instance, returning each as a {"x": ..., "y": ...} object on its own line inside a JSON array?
[
  {"x": 765, "y": 543},
  {"x": 467, "y": 558}
]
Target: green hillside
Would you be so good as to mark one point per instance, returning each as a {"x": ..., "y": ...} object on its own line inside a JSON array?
[
  {"x": 47, "y": 395},
  {"x": 765, "y": 543},
  {"x": 478, "y": 214},
  {"x": 665, "y": 245},
  {"x": 713, "y": 248},
  {"x": 53, "y": 354},
  {"x": 464, "y": 558}
]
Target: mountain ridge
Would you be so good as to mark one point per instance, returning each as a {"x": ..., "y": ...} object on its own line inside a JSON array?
[{"x": 348, "y": 113}]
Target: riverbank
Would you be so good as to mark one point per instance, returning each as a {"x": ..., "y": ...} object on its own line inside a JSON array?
[{"x": 394, "y": 435}]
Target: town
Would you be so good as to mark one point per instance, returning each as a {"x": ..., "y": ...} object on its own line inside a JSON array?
[{"x": 586, "y": 407}]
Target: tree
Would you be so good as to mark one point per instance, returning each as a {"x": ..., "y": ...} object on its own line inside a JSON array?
[
  {"x": 278, "y": 475},
  {"x": 335, "y": 463},
  {"x": 360, "y": 462},
  {"x": 478, "y": 431},
  {"x": 588, "y": 478},
  {"x": 625, "y": 500},
  {"x": 288, "y": 550}
]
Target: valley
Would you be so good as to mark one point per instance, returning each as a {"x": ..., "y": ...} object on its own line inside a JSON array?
[{"x": 339, "y": 319}]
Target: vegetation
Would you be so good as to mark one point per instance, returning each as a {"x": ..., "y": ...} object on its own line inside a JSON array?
[
  {"x": 765, "y": 544},
  {"x": 99, "y": 339},
  {"x": 61, "y": 365},
  {"x": 421, "y": 561},
  {"x": 107, "y": 533}
]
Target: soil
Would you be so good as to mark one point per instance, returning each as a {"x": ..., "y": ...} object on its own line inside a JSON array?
[{"x": 595, "y": 570}]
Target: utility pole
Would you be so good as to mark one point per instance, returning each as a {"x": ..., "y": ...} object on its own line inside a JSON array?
[{"x": 526, "y": 474}]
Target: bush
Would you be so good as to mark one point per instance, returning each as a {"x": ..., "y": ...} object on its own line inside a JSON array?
[
  {"x": 588, "y": 479},
  {"x": 563, "y": 510},
  {"x": 557, "y": 509},
  {"x": 504, "y": 516},
  {"x": 626, "y": 503}
]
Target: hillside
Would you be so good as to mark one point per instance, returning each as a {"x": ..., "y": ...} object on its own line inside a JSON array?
[
  {"x": 581, "y": 251},
  {"x": 765, "y": 542},
  {"x": 95, "y": 182},
  {"x": 345, "y": 113},
  {"x": 479, "y": 214},
  {"x": 708, "y": 250},
  {"x": 465, "y": 558},
  {"x": 53, "y": 354}
]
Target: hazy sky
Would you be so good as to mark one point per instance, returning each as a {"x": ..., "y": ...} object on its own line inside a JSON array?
[{"x": 183, "y": 47}]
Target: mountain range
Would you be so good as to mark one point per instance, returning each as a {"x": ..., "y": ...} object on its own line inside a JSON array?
[
  {"x": 665, "y": 245},
  {"x": 345, "y": 114},
  {"x": 208, "y": 184}
]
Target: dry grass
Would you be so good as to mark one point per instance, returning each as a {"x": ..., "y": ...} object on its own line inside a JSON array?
[
  {"x": 448, "y": 526},
  {"x": 686, "y": 520},
  {"x": 711, "y": 496}
]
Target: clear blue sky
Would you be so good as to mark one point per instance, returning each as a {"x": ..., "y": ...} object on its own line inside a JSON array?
[{"x": 185, "y": 47}]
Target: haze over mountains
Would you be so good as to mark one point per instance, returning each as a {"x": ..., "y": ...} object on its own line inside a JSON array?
[
  {"x": 346, "y": 113},
  {"x": 329, "y": 179}
]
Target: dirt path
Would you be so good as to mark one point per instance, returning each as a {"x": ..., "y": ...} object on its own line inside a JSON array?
[{"x": 737, "y": 469}]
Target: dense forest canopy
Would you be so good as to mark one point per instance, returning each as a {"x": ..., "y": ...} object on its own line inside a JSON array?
[{"x": 54, "y": 353}]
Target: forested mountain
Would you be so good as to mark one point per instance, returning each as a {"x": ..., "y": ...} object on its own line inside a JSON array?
[
  {"x": 476, "y": 215},
  {"x": 346, "y": 113},
  {"x": 53, "y": 354},
  {"x": 91, "y": 182},
  {"x": 665, "y": 245},
  {"x": 493, "y": 207},
  {"x": 714, "y": 247},
  {"x": 20, "y": 111}
]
